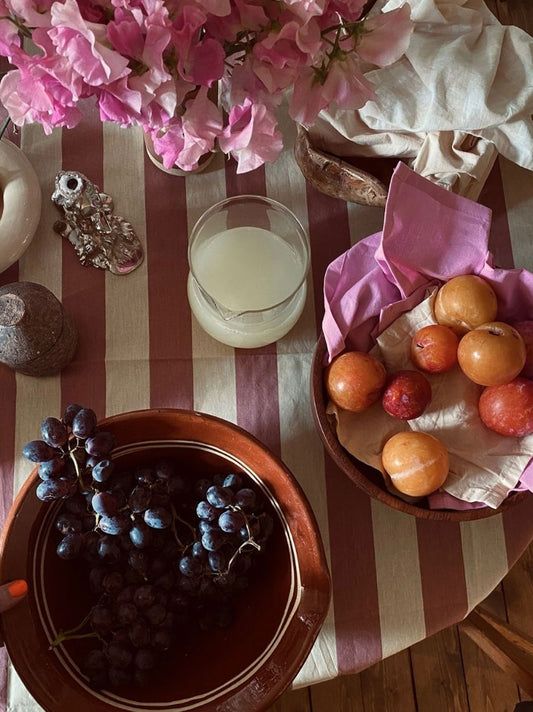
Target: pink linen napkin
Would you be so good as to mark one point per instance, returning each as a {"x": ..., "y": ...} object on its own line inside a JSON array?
[{"x": 429, "y": 236}]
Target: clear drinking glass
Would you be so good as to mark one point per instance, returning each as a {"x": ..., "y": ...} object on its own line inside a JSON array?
[{"x": 249, "y": 258}]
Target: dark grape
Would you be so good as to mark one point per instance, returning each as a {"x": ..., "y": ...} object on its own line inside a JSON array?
[
  {"x": 76, "y": 504},
  {"x": 38, "y": 451},
  {"x": 70, "y": 546},
  {"x": 113, "y": 582},
  {"x": 105, "y": 503},
  {"x": 165, "y": 470},
  {"x": 205, "y": 510},
  {"x": 141, "y": 534},
  {"x": 68, "y": 523},
  {"x": 144, "y": 596},
  {"x": 54, "y": 433},
  {"x": 108, "y": 549},
  {"x": 213, "y": 539},
  {"x": 51, "y": 468},
  {"x": 138, "y": 561},
  {"x": 127, "y": 613},
  {"x": 156, "y": 614},
  {"x": 101, "y": 619},
  {"x": 176, "y": 486},
  {"x": 140, "y": 498},
  {"x": 84, "y": 423},
  {"x": 139, "y": 634},
  {"x": 158, "y": 518},
  {"x": 233, "y": 481},
  {"x": 145, "y": 475},
  {"x": 70, "y": 413},
  {"x": 116, "y": 524},
  {"x": 50, "y": 490},
  {"x": 231, "y": 521},
  {"x": 161, "y": 639},
  {"x": 118, "y": 677},
  {"x": 246, "y": 499},
  {"x": 118, "y": 654},
  {"x": 198, "y": 551},
  {"x": 219, "y": 497},
  {"x": 102, "y": 470},
  {"x": 201, "y": 487},
  {"x": 145, "y": 659},
  {"x": 218, "y": 561},
  {"x": 191, "y": 567},
  {"x": 100, "y": 445}
]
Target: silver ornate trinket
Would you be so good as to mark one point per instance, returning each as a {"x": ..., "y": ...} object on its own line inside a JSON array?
[{"x": 99, "y": 238}]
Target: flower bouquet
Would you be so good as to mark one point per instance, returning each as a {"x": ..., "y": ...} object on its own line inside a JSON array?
[{"x": 155, "y": 63}]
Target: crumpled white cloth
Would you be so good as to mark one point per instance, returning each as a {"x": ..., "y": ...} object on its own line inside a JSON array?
[{"x": 462, "y": 93}]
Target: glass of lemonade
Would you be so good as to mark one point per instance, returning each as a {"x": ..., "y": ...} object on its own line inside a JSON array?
[{"x": 248, "y": 258}]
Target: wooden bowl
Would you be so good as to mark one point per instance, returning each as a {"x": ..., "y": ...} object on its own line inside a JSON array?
[
  {"x": 243, "y": 667},
  {"x": 368, "y": 478}
]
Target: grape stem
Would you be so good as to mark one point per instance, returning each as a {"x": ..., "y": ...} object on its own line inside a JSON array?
[
  {"x": 69, "y": 634},
  {"x": 76, "y": 466},
  {"x": 175, "y": 517},
  {"x": 249, "y": 542},
  {"x": 75, "y": 636}
]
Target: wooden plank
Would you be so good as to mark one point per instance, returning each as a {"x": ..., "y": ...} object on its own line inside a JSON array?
[
  {"x": 388, "y": 686},
  {"x": 489, "y": 688},
  {"x": 438, "y": 673},
  {"x": 292, "y": 701},
  {"x": 516, "y": 12},
  {"x": 508, "y": 647},
  {"x": 517, "y": 588},
  {"x": 341, "y": 695}
]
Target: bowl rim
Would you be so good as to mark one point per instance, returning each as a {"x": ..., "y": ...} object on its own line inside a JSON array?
[
  {"x": 313, "y": 575},
  {"x": 350, "y": 466}
]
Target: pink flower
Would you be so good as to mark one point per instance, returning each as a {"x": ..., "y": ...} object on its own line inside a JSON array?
[
  {"x": 386, "y": 37},
  {"x": 349, "y": 9},
  {"x": 169, "y": 143},
  {"x": 308, "y": 98},
  {"x": 10, "y": 44},
  {"x": 32, "y": 96},
  {"x": 34, "y": 14},
  {"x": 201, "y": 123},
  {"x": 198, "y": 61},
  {"x": 84, "y": 45},
  {"x": 293, "y": 46},
  {"x": 119, "y": 103},
  {"x": 150, "y": 63},
  {"x": 307, "y": 8},
  {"x": 345, "y": 86},
  {"x": 251, "y": 136}
]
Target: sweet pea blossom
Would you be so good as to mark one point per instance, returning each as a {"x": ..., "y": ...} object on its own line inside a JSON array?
[
  {"x": 84, "y": 45},
  {"x": 172, "y": 66},
  {"x": 251, "y": 136},
  {"x": 386, "y": 37}
]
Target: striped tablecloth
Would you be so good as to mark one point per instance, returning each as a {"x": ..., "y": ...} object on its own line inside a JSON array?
[{"x": 395, "y": 579}]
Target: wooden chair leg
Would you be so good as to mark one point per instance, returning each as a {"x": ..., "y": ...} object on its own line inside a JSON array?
[{"x": 510, "y": 649}]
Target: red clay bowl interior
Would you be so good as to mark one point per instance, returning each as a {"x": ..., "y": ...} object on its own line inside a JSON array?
[
  {"x": 243, "y": 667},
  {"x": 368, "y": 478}
]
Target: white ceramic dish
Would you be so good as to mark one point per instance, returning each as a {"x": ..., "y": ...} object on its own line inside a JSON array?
[{"x": 20, "y": 203}]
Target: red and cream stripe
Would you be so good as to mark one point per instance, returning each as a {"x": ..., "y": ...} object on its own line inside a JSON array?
[{"x": 395, "y": 579}]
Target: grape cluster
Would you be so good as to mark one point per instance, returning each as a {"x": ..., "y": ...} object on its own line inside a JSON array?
[{"x": 162, "y": 551}]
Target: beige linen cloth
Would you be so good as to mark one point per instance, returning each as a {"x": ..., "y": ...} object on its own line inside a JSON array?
[{"x": 462, "y": 93}]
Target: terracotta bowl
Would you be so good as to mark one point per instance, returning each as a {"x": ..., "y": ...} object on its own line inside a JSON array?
[
  {"x": 368, "y": 478},
  {"x": 245, "y": 666}
]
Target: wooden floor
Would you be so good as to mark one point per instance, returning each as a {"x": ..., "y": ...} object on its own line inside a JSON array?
[{"x": 447, "y": 672}]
